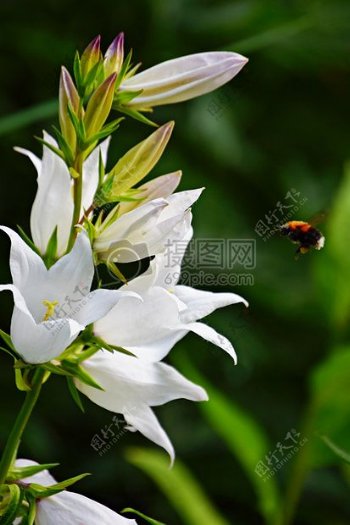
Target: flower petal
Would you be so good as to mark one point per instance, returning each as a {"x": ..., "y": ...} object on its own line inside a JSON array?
[
  {"x": 132, "y": 323},
  {"x": 211, "y": 335},
  {"x": 91, "y": 173},
  {"x": 125, "y": 239},
  {"x": 53, "y": 204},
  {"x": 29, "y": 274},
  {"x": 143, "y": 419},
  {"x": 156, "y": 350},
  {"x": 26, "y": 265},
  {"x": 39, "y": 343},
  {"x": 98, "y": 303},
  {"x": 43, "y": 478},
  {"x": 183, "y": 78},
  {"x": 201, "y": 303},
  {"x": 72, "y": 275},
  {"x": 127, "y": 380},
  {"x": 70, "y": 508}
]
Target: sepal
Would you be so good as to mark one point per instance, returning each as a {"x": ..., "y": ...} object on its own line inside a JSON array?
[
  {"x": 50, "y": 256},
  {"x": 11, "y": 499},
  {"x": 16, "y": 473},
  {"x": 40, "y": 492},
  {"x": 75, "y": 394}
]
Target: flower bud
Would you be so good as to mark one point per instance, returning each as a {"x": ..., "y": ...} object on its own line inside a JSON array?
[
  {"x": 158, "y": 188},
  {"x": 68, "y": 95},
  {"x": 114, "y": 56},
  {"x": 99, "y": 106},
  {"x": 138, "y": 162},
  {"x": 90, "y": 56},
  {"x": 183, "y": 78}
]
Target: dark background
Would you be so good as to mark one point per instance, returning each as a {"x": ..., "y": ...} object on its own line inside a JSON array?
[{"x": 281, "y": 124}]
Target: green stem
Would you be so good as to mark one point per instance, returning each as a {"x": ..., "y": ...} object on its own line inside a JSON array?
[
  {"x": 20, "y": 424},
  {"x": 300, "y": 470},
  {"x": 78, "y": 194}
]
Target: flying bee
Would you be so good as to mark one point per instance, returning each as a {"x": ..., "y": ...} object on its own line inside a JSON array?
[{"x": 304, "y": 234}]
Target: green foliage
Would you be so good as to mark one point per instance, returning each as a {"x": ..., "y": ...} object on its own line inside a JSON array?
[
  {"x": 244, "y": 437},
  {"x": 146, "y": 518},
  {"x": 333, "y": 269},
  {"x": 282, "y": 123},
  {"x": 330, "y": 413},
  {"x": 178, "y": 484}
]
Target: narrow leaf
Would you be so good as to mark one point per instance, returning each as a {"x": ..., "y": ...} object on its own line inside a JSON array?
[
  {"x": 146, "y": 518},
  {"x": 178, "y": 484}
]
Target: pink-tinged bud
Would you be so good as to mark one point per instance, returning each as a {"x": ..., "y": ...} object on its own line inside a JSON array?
[
  {"x": 183, "y": 78},
  {"x": 68, "y": 95},
  {"x": 91, "y": 55},
  {"x": 99, "y": 106},
  {"x": 114, "y": 56},
  {"x": 158, "y": 188}
]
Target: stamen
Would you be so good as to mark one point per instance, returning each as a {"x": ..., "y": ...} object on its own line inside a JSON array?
[{"x": 50, "y": 309}]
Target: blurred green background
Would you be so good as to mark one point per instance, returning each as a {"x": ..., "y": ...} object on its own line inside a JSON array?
[{"x": 281, "y": 124}]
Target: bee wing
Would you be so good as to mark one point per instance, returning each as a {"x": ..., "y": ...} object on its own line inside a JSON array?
[{"x": 318, "y": 218}]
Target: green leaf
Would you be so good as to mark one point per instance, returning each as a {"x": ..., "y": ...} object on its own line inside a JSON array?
[
  {"x": 340, "y": 452},
  {"x": 330, "y": 401},
  {"x": 21, "y": 383},
  {"x": 25, "y": 472},
  {"x": 272, "y": 36},
  {"x": 51, "y": 147},
  {"x": 178, "y": 484},
  {"x": 124, "y": 69},
  {"x": 7, "y": 339},
  {"x": 243, "y": 436},
  {"x": 146, "y": 518},
  {"x": 51, "y": 250},
  {"x": 28, "y": 116},
  {"x": 38, "y": 491},
  {"x": 78, "y": 73},
  {"x": 75, "y": 394},
  {"x": 80, "y": 373},
  {"x": 335, "y": 259},
  {"x": 135, "y": 114},
  {"x": 14, "y": 501},
  {"x": 28, "y": 240},
  {"x": 65, "y": 151},
  {"x": 30, "y": 518}
]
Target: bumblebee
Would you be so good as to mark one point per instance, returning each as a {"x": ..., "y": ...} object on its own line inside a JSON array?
[{"x": 304, "y": 234}]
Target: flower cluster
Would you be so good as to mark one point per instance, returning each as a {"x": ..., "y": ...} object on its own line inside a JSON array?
[{"x": 108, "y": 343}]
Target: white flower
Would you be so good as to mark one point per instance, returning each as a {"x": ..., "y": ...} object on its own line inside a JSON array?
[
  {"x": 53, "y": 204},
  {"x": 143, "y": 231},
  {"x": 69, "y": 508},
  {"x": 131, "y": 386},
  {"x": 168, "y": 311},
  {"x": 53, "y": 306},
  {"x": 183, "y": 78}
]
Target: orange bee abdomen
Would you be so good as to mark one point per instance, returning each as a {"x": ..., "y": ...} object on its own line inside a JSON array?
[{"x": 299, "y": 225}]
